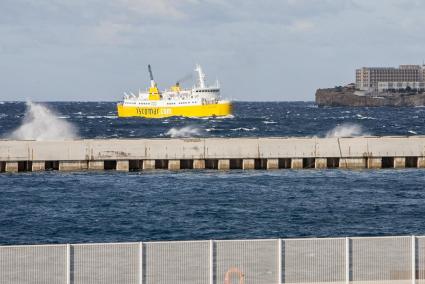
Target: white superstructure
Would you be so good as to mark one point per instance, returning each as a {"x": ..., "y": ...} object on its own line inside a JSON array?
[{"x": 200, "y": 94}]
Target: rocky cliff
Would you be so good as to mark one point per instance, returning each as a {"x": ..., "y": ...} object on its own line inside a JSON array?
[{"x": 346, "y": 97}]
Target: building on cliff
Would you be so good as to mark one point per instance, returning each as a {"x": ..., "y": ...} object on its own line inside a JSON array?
[{"x": 380, "y": 79}]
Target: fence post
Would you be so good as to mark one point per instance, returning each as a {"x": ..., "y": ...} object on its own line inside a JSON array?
[
  {"x": 413, "y": 259},
  {"x": 68, "y": 264},
  {"x": 347, "y": 260},
  {"x": 211, "y": 262},
  {"x": 279, "y": 260},
  {"x": 140, "y": 263}
]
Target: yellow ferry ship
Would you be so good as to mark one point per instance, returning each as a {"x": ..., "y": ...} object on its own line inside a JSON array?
[{"x": 199, "y": 101}]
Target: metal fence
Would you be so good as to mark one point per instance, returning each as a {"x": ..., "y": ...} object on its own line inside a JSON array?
[{"x": 334, "y": 260}]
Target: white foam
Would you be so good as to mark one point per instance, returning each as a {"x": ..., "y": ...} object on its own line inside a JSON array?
[
  {"x": 40, "y": 123},
  {"x": 102, "y": 116},
  {"x": 364, "y": 117},
  {"x": 244, "y": 129},
  {"x": 212, "y": 118},
  {"x": 229, "y": 116},
  {"x": 346, "y": 130},
  {"x": 213, "y": 129},
  {"x": 187, "y": 131},
  {"x": 412, "y": 132}
]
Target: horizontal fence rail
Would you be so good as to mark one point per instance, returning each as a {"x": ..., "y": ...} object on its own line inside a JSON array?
[{"x": 365, "y": 260}]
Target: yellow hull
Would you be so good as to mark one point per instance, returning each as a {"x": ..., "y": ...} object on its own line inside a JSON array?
[{"x": 220, "y": 109}]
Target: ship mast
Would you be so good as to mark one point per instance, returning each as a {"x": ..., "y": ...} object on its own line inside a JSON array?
[
  {"x": 153, "y": 84},
  {"x": 201, "y": 76}
]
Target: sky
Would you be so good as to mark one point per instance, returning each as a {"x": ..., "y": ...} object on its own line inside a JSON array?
[{"x": 94, "y": 50}]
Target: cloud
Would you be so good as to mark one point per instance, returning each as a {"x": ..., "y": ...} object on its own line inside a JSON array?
[
  {"x": 298, "y": 44},
  {"x": 155, "y": 8},
  {"x": 111, "y": 33},
  {"x": 301, "y": 25}
]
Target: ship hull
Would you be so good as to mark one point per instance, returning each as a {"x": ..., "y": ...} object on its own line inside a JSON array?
[{"x": 220, "y": 109}]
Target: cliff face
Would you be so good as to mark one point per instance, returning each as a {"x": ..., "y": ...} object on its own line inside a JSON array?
[{"x": 346, "y": 97}]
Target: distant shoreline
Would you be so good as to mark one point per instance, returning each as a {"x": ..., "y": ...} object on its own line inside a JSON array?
[{"x": 344, "y": 96}]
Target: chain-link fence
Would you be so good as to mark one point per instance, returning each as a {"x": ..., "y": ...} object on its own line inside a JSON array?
[{"x": 332, "y": 260}]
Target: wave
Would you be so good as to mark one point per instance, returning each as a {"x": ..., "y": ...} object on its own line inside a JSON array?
[
  {"x": 229, "y": 116},
  {"x": 346, "y": 130},
  {"x": 40, "y": 123},
  {"x": 213, "y": 129},
  {"x": 187, "y": 131},
  {"x": 244, "y": 129},
  {"x": 102, "y": 116},
  {"x": 359, "y": 116}
]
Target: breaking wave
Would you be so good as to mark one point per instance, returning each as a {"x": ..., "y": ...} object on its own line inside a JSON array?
[
  {"x": 40, "y": 123},
  {"x": 244, "y": 129},
  {"x": 187, "y": 131},
  {"x": 346, "y": 130}
]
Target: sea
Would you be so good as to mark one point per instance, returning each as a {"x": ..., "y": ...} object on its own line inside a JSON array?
[{"x": 57, "y": 207}]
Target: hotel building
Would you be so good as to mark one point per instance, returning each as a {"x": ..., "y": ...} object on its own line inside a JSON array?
[{"x": 390, "y": 78}]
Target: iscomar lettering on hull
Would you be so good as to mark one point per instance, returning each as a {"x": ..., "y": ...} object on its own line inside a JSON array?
[
  {"x": 199, "y": 101},
  {"x": 152, "y": 111}
]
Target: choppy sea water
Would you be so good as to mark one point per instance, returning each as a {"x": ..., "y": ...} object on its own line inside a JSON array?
[
  {"x": 109, "y": 207},
  {"x": 54, "y": 207},
  {"x": 99, "y": 120}
]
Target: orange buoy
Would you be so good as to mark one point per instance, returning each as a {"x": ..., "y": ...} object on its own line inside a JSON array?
[{"x": 230, "y": 272}]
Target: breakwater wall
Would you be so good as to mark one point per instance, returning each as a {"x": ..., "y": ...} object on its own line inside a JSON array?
[
  {"x": 213, "y": 153},
  {"x": 359, "y": 260}
]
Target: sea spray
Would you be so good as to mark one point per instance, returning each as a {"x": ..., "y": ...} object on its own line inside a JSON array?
[
  {"x": 41, "y": 123},
  {"x": 346, "y": 130},
  {"x": 187, "y": 131}
]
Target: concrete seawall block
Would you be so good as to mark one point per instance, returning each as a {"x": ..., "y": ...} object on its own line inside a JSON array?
[
  {"x": 148, "y": 164},
  {"x": 11, "y": 167},
  {"x": 199, "y": 153},
  {"x": 399, "y": 163},
  {"x": 374, "y": 163},
  {"x": 421, "y": 162},
  {"x": 73, "y": 166},
  {"x": 123, "y": 165},
  {"x": 352, "y": 163},
  {"x": 248, "y": 164},
  {"x": 223, "y": 164},
  {"x": 321, "y": 163},
  {"x": 272, "y": 164},
  {"x": 199, "y": 164},
  {"x": 174, "y": 165},
  {"x": 296, "y": 163},
  {"x": 96, "y": 165},
  {"x": 38, "y": 166}
]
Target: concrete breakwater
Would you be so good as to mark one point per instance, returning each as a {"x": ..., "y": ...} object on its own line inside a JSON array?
[{"x": 213, "y": 153}]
